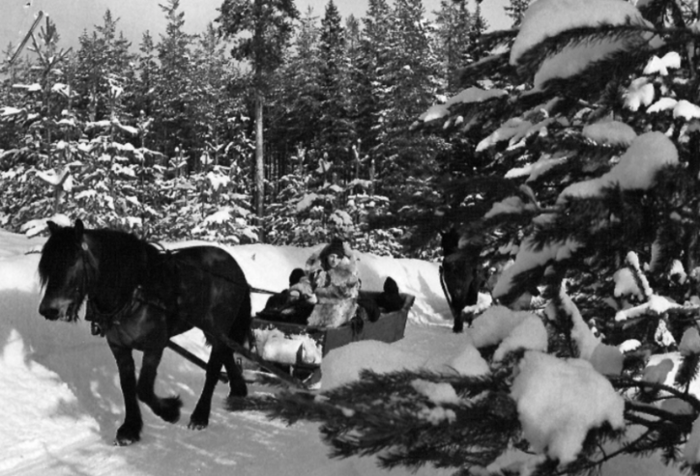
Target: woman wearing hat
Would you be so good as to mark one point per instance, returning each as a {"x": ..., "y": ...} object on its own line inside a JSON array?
[{"x": 333, "y": 276}]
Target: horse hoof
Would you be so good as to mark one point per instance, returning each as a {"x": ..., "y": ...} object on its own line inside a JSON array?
[
  {"x": 197, "y": 425},
  {"x": 128, "y": 434},
  {"x": 123, "y": 440}
]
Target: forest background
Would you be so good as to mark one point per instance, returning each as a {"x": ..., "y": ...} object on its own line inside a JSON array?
[{"x": 161, "y": 141}]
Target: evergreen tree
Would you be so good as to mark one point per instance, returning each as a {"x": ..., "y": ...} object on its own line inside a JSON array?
[
  {"x": 103, "y": 69},
  {"x": 295, "y": 101},
  {"x": 453, "y": 24},
  {"x": 516, "y": 10},
  {"x": 336, "y": 131},
  {"x": 175, "y": 130},
  {"x": 405, "y": 160},
  {"x": 269, "y": 28},
  {"x": 145, "y": 97},
  {"x": 375, "y": 52}
]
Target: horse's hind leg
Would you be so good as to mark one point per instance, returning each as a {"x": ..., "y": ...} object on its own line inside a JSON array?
[
  {"x": 130, "y": 431},
  {"x": 166, "y": 408},
  {"x": 237, "y": 385},
  {"x": 200, "y": 416}
]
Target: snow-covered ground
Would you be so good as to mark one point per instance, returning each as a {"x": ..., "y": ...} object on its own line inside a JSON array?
[{"x": 60, "y": 401}]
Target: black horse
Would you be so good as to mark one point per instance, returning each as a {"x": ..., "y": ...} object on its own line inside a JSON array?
[
  {"x": 138, "y": 297},
  {"x": 461, "y": 275}
]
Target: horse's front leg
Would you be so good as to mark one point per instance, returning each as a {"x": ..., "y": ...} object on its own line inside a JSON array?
[
  {"x": 166, "y": 408},
  {"x": 130, "y": 431},
  {"x": 458, "y": 325}
]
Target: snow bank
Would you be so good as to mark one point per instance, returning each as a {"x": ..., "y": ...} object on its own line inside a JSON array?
[
  {"x": 268, "y": 267},
  {"x": 343, "y": 365}
]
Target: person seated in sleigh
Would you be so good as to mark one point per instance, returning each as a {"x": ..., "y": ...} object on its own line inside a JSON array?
[
  {"x": 291, "y": 305},
  {"x": 332, "y": 276}
]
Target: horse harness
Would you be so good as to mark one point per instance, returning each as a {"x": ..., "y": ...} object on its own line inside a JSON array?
[{"x": 101, "y": 321}]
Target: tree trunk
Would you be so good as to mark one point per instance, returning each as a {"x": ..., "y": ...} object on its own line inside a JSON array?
[{"x": 259, "y": 192}]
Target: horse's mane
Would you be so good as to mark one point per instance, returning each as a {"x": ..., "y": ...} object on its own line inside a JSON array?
[
  {"x": 124, "y": 259},
  {"x": 58, "y": 253}
]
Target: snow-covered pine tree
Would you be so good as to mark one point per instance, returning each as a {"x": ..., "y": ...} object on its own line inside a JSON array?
[
  {"x": 516, "y": 10},
  {"x": 261, "y": 32},
  {"x": 597, "y": 134},
  {"x": 452, "y": 33},
  {"x": 336, "y": 131}
]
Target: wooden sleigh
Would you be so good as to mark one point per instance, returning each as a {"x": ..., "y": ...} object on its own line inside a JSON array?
[
  {"x": 293, "y": 370},
  {"x": 389, "y": 327}
]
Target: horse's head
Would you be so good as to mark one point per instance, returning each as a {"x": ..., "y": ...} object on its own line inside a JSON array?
[{"x": 63, "y": 270}]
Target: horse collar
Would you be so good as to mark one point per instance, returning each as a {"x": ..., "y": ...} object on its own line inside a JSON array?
[{"x": 101, "y": 322}]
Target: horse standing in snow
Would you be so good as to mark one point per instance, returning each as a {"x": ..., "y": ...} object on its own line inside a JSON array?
[
  {"x": 460, "y": 276},
  {"x": 139, "y": 297}
]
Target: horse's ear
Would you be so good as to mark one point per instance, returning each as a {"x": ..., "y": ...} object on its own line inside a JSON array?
[
  {"x": 53, "y": 227},
  {"x": 79, "y": 228}
]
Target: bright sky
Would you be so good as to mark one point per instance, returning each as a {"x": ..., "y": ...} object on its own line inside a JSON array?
[{"x": 137, "y": 16}]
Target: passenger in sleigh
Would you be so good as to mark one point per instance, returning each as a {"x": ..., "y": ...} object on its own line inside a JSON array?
[
  {"x": 291, "y": 305},
  {"x": 390, "y": 299},
  {"x": 332, "y": 275}
]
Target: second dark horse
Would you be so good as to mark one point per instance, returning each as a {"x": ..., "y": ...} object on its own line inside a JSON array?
[
  {"x": 460, "y": 276},
  {"x": 138, "y": 298}
]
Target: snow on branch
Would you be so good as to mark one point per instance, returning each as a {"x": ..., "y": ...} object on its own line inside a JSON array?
[
  {"x": 560, "y": 401},
  {"x": 531, "y": 257},
  {"x": 558, "y": 39},
  {"x": 548, "y": 18},
  {"x": 636, "y": 170}
]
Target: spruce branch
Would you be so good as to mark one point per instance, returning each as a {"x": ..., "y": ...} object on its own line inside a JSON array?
[
  {"x": 530, "y": 60},
  {"x": 384, "y": 415},
  {"x": 626, "y": 383}
]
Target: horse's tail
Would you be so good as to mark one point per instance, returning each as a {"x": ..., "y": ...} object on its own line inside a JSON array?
[
  {"x": 247, "y": 315},
  {"x": 241, "y": 330}
]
